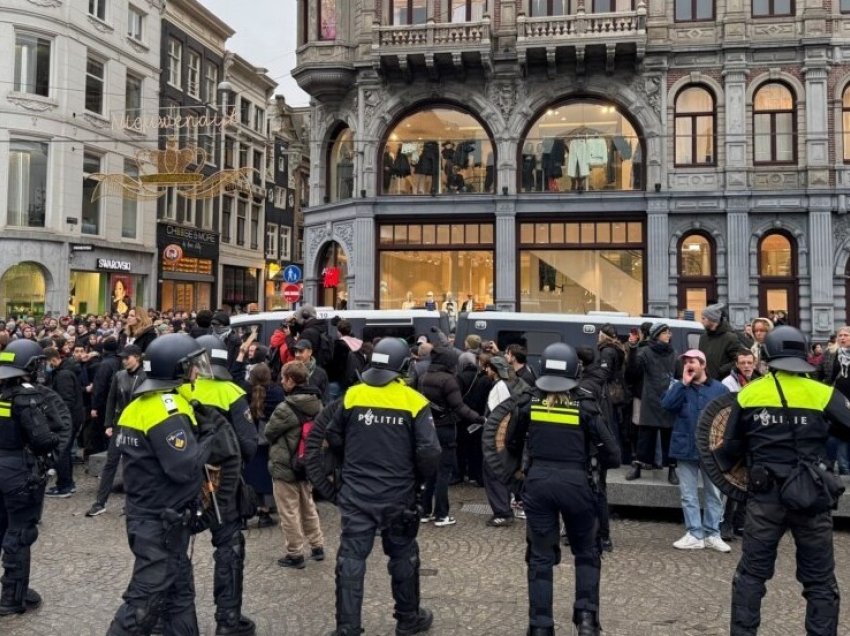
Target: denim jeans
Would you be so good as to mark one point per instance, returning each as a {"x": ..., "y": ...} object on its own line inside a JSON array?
[
  {"x": 837, "y": 449},
  {"x": 436, "y": 495},
  {"x": 709, "y": 523}
]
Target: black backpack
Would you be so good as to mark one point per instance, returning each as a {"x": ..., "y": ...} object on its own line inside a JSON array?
[
  {"x": 326, "y": 350},
  {"x": 275, "y": 363}
]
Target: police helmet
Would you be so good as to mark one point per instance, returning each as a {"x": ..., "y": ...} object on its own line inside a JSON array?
[
  {"x": 389, "y": 360},
  {"x": 785, "y": 349},
  {"x": 20, "y": 358},
  {"x": 169, "y": 360},
  {"x": 218, "y": 356},
  {"x": 559, "y": 368}
]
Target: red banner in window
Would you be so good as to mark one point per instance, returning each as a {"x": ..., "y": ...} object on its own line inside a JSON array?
[{"x": 330, "y": 277}]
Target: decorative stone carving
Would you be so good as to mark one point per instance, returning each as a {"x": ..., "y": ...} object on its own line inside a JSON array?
[
  {"x": 371, "y": 101},
  {"x": 773, "y": 30},
  {"x": 841, "y": 229},
  {"x": 32, "y": 102},
  {"x": 100, "y": 25},
  {"x": 697, "y": 33},
  {"x": 46, "y": 3},
  {"x": 780, "y": 180},
  {"x": 704, "y": 181},
  {"x": 344, "y": 233},
  {"x": 504, "y": 96},
  {"x": 696, "y": 59},
  {"x": 96, "y": 120},
  {"x": 313, "y": 237}
]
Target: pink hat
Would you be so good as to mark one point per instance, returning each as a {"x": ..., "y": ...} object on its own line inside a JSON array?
[{"x": 694, "y": 353}]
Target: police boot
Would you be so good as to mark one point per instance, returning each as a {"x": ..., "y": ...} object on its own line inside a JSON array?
[
  {"x": 234, "y": 625},
  {"x": 346, "y": 631},
  {"x": 586, "y": 624},
  {"x": 409, "y": 624},
  {"x": 541, "y": 631},
  {"x": 12, "y": 598},
  {"x": 32, "y": 600}
]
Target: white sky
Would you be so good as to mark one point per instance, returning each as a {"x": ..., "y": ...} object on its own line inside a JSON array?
[{"x": 265, "y": 36}]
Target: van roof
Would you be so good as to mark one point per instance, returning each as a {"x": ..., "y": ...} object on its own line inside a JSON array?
[
  {"x": 613, "y": 318},
  {"x": 326, "y": 312}
]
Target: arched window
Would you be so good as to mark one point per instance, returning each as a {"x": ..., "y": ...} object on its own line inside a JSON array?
[
  {"x": 778, "y": 284},
  {"x": 408, "y": 11},
  {"x": 580, "y": 144},
  {"x": 695, "y": 126},
  {"x": 341, "y": 166},
  {"x": 438, "y": 150},
  {"x": 697, "y": 282},
  {"x": 845, "y": 123},
  {"x": 466, "y": 10},
  {"x": 22, "y": 290},
  {"x": 774, "y": 124}
]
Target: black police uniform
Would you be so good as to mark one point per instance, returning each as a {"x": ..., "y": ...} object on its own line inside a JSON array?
[
  {"x": 163, "y": 463},
  {"x": 227, "y": 537},
  {"x": 23, "y": 437},
  {"x": 759, "y": 432},
  {"x": 389, "y": 445},
  {"x": 558, "y": 485}
]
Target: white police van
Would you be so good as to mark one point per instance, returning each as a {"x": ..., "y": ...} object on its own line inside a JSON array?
[
  {"x": 367, "y": 324},
  {"x": 536, "y": 331}
]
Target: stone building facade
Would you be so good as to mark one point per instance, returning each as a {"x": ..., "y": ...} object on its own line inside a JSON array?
[{"x": 540, "y": 155}]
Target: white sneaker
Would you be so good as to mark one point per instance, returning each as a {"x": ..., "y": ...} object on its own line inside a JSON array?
[
  {"x": 690, "y": 542},
  {"x": 716, "y": 543},
  {"x": 427, "y": 519},
  {"x": 445, "y": 521}
]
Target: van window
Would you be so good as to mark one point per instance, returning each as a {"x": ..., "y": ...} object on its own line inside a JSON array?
[
  {"x": 243, "y": 330},
  {"x": 693, "y": 340},
  {"x": 405, "y": 332},
  {"x": 534, "y": 341}
]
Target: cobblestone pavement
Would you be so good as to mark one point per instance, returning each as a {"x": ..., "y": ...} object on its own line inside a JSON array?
[{"x": 473, "y": 578}]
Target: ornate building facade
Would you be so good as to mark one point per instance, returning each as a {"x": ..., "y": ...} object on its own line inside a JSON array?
[{"x": 574, "y": 155}]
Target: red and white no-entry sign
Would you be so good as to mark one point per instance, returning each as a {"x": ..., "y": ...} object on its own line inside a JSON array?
[{"x": 291, "y": 293}]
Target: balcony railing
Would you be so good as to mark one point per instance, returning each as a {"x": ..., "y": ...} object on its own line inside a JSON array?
[
  {"x": 593, "y": 26},
  {"x": 420, "y": 37}
]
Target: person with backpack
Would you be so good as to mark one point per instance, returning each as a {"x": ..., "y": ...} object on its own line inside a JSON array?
[
  {"x": 316, "y": 375},
  {"x": 286, "y": 432},
  {"x": 344, "y": 347},
  {"x": 311, "y": 328}
]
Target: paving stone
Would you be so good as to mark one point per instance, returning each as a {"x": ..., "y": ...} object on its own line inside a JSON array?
[{"x": 475, "y": 582}]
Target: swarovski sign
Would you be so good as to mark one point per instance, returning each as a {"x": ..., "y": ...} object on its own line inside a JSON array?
[{"x": 112, "y": 265}]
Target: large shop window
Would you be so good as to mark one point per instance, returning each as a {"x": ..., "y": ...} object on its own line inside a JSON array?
[
  {"x": 239, "y": 286},
  {"x": 22, "y": 291},
  {"x": 438, "y": 151},
  {"x": 695, "y": 119},
  {"x": 774, "y": 124},
  {"x": 581, "y": 145},
  {"x": 697, "y": 283},
  {"x": 333, "y": 274},
  {"x": 778, "y": 283},
  {"x": 578, "y": 267},
  {"x": 105, "y": 293},
  {"x": 424, "y": 263},
  {"x": 341, "y": 164},
  {"x": 185, "y": 296},
  {"x": 27, "y": 194}
]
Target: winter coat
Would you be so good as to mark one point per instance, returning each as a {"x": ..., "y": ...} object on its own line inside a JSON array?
[
  {"x": 143, "y": 339},
  {"x": 110, "y": 365},
  {"x": 440, "y": 385},
  {"x": 66, "y": 382},
  {"x": 312, "y": 330},
  {"x": 283, "y": 430},
  {"x": 687, "y": 403},
  {"x": 721, "y": 348},
  {"x": 121, "y": 394},
  {"x": 475, "y": 387},
  {"x": 318, "y": 378},
  {"x": 656, "y": 363}
]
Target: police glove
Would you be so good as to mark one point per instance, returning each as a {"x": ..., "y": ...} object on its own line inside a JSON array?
[{"x": 208, "y": 418}]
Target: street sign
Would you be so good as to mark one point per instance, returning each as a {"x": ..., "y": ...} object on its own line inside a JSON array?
[
  {"x": 291, "y": 274},
  {"x": 82, "y": 247},
  {"x": 291, "y": 293}
]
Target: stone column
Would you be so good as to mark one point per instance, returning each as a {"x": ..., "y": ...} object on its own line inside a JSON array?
[
  {"x": 735, "y": 86},
  {"x": 363, "y": 263},
  {"x": 817, "y": 106},
  {"x": 506, "y": 259},
  {"x": 658, "y": 267},
  {"x": 738, "y": 260},
  {"x": 820, "y": 265}
]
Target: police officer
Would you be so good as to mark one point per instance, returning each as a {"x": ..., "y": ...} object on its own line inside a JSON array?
[
  {"x": 776, "y": 420},
  {"x": 25, "y": 438},
  {"x": 385, "y": 433},
  {"x": 564, "y": 443},
  {"x": 220, "y": 392},
  {"x": 163, "y": 461}
]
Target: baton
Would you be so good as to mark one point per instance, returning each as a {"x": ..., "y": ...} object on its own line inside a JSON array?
[{"x": 213, "y": 496}]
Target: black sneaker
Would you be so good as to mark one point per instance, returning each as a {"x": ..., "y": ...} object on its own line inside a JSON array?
[
  {"x": 606, "y": 544},
  {"x": 289, "y": 561},
  {"x": 500, "y": 522},
  {"x": 317, "y": 554},
  {"x": 265, "y": 520},
  {"x": 95, "y": 510},
  {"x": 415, "y": 624},
  {"x": 56, "y": 492}
]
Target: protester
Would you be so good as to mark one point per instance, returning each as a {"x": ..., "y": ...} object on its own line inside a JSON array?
[{"x": 264, "y": 399}]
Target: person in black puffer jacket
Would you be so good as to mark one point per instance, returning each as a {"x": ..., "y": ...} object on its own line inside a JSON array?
[
  {"x": 63, "y": 377},
  {"x": 441, "y": 387},
  {"x": 311, "y": 328},
  {"x": 475, "y": 387}
]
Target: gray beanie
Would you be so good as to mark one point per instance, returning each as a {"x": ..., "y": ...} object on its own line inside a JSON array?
[{"x": 714, "y": 313}]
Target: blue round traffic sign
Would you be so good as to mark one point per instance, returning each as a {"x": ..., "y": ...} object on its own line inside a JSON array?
[{"x": 292, "y": 274}]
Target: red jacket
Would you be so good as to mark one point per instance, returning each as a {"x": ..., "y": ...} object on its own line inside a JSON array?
[{"x": 284, "y": 344}]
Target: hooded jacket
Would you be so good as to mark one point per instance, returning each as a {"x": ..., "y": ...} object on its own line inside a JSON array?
[
  {"x": 440, "y": 385},
  {"x": 687, "y": 402},
  {"x": 721, "y": 349},
  {"x": 283, "y": 430},
  {"x": 66, "y": 382}
]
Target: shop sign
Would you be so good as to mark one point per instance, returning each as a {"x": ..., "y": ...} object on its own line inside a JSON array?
[
  {"x": 188, "y": 240},
  {"x": 330, "y": 276},
  {"x": 82, "y": 247},
  {"x": 113, "y": 265},
  {"x": 172, "y": 253}
]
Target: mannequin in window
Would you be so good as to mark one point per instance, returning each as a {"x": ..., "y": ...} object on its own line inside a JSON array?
[
  {"x": 529, "y": 163},
  {"x": 449, "y": 305},
  {"x": 430, "y": 303},
  {"x": 448, "y": 157},
  {"x": 409, "y": 302},
  {"x": 389, "y": 160},
  {"x": 489, "y": 172},
  {"x": 469, "y": 303},
  {"x": 456, "y": 182},
  {"x": 342, "y": 301}
]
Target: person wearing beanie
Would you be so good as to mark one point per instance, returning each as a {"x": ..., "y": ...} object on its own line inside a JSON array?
[
  {"x": 719, "y": 343},
  {"x": 656, "y": 364},
  {"x": 471, "y": 349}
]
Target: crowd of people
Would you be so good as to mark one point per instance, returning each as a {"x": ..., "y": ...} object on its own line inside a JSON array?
[{"x": 457, "y": 398}]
